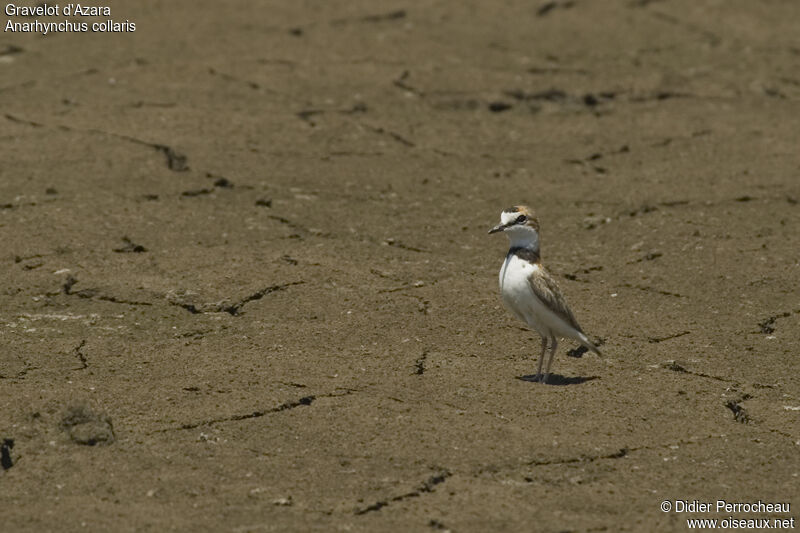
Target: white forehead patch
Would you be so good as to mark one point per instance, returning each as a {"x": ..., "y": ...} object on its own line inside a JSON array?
[{"x": 506, "y": 217}]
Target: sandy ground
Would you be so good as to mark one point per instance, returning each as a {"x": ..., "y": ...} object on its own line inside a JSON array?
[{"x": 247, "y": 284}]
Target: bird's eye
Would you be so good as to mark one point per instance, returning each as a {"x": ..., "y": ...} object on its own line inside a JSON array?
[{"x": 521, "y": 219}]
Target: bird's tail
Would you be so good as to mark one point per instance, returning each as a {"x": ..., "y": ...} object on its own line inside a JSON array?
[{"x": 589, "y": 344}]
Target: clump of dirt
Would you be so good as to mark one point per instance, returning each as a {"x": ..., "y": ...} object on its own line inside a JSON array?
[
  {"x": 86, "y": 427},
  {"x": 6, "y": 461}
]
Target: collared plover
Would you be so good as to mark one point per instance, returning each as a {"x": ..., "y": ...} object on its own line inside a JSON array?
[{"x": 530, "y": 292}]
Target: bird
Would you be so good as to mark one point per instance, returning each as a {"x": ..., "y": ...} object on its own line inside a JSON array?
[{"x": 530, "y": 292}]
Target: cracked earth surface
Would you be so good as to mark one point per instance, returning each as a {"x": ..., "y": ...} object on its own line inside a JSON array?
[{"x": 247, "y": 284}]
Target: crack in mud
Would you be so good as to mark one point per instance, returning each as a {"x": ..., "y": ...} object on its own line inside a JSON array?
[
  {"x": 221, "y": 182},
  {"x": 392, "y": 135},
  {"x": 401, "y": 83},
  {"x": 227, "y": 77},
  {"x": 286, "y": 222},
  {"x": 233, "y": 309},
  {"x": 651, "y": 289},
  {"x": 622, "y": 452},
  {"x": 196, "y": 192},
  {"x": 27, "y": 367},
  {"x": 740, "y": 414},
  {"x": 558, "y": 70},
  {"x": 176, "y": 161},
  {"x": 407, "y": 286},
  {"x": 397, "y": 244},
  {"x": 649, "y": 256},
  {"x": 590, "y": 458},
  {"x": 397, "y": 14},
  {"x": 142, "y": 103},
  {"x": 426, "y": 487},
  {"x": 292, "y": 384},
  {"x": 92, "y": 294},
  {"x": 655, "y": 340},
  {"x": 113, "y": 299},
  {"x": 669, "y": 140},
  {"x": 641, "y": 210},
  {"x": 306, "y": 114},
  {"x": 661, "y": 95},
  {"x": 767, "y": 326},
  {"x": 594, "y": 220},
  {"x": 18, "y": 120},
  {"x": 594, "y": 102},
  {"x": 574, "y": 276},
  {"x": 9, "y": 205},
  {"x": 677, "y": 367},
  {"x": 624, "y": 149},
  {"x": 547, "y": 7},
  {"x": 548, "y": 95},
  {"x": 419, "y": 364},
  {"x": 80, "y": 355},
  {"x": 350, "y": 153},
  {"x": 305, "y": 401},
  {"x": 784, "y": 434},
  {"x": 11, "y": 49},
  {"x": 560, "y": 97},
  {"x": 642, "y": 3},
  {"x": 499, "y": 106},
  {"x": 130, "y": 247},
  {"x": 674, "y": 203}
]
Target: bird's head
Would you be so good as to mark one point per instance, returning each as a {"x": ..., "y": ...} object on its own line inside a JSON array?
[{"x": 521, "y": 226}]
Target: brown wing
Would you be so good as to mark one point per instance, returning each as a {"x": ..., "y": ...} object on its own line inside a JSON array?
[{"x": 546, "y": 289}]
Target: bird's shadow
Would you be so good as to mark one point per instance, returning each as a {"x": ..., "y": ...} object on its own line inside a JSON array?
[{"x": 558, "y": 379}]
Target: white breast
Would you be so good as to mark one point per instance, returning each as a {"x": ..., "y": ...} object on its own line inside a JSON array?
[
  {"x": 514, "y": 287},
  {"x": 521, "y": 300}
]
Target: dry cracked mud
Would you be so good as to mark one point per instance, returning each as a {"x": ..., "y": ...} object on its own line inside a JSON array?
[{"x": 248, "y": 286}]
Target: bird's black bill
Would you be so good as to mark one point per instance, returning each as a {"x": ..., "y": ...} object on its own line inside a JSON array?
[{"x": 499, "y": 227}]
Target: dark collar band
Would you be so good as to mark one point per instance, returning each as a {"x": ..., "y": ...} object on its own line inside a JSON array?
[{"x": 528, "y": 254}]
